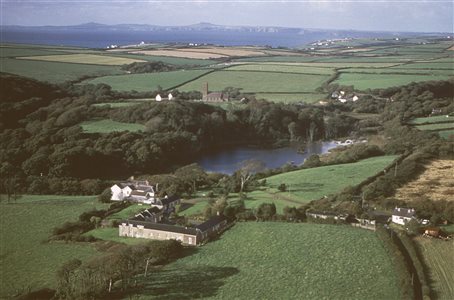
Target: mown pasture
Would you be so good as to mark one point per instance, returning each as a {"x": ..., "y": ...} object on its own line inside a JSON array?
[
  {"x": 55, "y": 72},
  {"x": 107, "y": 126},
  {"x": 150, "y": 81},
  {"x": 438, "y": 257},
  {"x": 253, "y": 81},
  {"x": 90, "y": 59},
  {"x": 311, "y": 184},
  {"x": 27, "y": 260},
  {"x": 280, "y": 261},
  {"x": 376, "y": 81}
]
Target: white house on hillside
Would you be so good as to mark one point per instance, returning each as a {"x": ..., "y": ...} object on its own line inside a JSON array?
[
  {"x": 159, "y": 98},
  {"x": 402, "y": 215},
  {"x": 138, "y": 191}
]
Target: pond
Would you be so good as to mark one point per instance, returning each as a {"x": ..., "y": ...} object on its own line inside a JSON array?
[{"x": 226, "y": 161}]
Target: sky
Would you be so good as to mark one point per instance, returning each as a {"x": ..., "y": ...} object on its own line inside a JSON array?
[{"x": 386, "y": 15}]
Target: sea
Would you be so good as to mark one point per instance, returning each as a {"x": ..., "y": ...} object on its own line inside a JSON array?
[{"x": 102, "y": 39}]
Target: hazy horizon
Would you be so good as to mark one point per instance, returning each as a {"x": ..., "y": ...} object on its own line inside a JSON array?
[{"x": 361, "y": 15}]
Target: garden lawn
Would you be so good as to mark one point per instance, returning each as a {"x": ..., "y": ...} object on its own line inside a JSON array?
[
  {"x": 54, "y": 72},
  {"x": 150, "y": 81},
  {"x": 26, "y": 260},
  {"x": 107, "y": 126},
  {"x": 376, "y": 81},
  {"x": 252, "y": 81},
  {"x": 312, "y": 184},
  {"x": 270, "y": 260},
  {"x": 112, "y": 234}
]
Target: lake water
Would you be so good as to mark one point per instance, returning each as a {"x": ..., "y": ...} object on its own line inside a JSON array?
[{"x": 226, "y": 161}]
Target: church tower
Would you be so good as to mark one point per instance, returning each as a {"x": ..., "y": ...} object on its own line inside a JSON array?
[{"x": 205, "y": 91}]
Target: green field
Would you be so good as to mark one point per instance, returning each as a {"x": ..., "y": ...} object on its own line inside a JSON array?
[
  {"x": 282, "y": 69},
  {"x": 149, "y": 81},
  {"x": 312, "y": 184},
  {"x": 435, "y": 119},
  {"x": 446, "y": 133},
  {"x": 438, "y": 126},
  {"x": 398, "y": 71},
  {"x": 375, "y": 81},
  {"x": 281, "y": 261},
  {"x": 291, "y": 98},
  {"x": 84, "y": 59},
  {"x": 26, "y": 260},
  {"x": 54, "y": 72},
  {"x": 428, "y": 65},
  {"x": 438, "y": 257},
  {"x": 179, "y": 61},
  {"x": 258, "y": 82},
  {"x": 107, "y": 126},
  {"x": 6, "y": 51}
]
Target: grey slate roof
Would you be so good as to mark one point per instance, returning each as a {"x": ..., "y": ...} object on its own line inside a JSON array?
[{"x": 211, "y": 223}]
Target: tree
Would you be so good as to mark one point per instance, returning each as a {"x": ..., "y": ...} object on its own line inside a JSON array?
[
  {"x": 265, "y": 211},
  {"x": 191, "y": 175},
  {"x": 282, "y": 187},
  {"x": 105, "y": 196},
  {"x": 247, "y": 169}
]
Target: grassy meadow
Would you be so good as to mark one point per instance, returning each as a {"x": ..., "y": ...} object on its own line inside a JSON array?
[
  {"x": 311, "y": 184},
  {"x": 107, "y": 126},
  {"x": 280, "y": 261},
  {"x": 254, "y": 81},
  {"x": 150, "y": 81},
  {"x": 26, "y": 260}
]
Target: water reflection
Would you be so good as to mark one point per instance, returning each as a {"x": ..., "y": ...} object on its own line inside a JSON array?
[{"x": 226, "y": 161}]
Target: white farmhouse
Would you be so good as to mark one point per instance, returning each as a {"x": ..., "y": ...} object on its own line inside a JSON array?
[
  {"x": 138, "y": 191},
  {"x": 121, "y": 191},
  {"x": 170, "y": 96},
  {"x": 158, "y": 97},
  {"x": 402, "y": 215}
]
